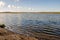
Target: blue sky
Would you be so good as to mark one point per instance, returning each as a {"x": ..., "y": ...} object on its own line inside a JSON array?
[{"x": 30, "y": 5}]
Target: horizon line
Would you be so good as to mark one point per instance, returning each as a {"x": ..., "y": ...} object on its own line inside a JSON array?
[{"x": 31, "y": 12}]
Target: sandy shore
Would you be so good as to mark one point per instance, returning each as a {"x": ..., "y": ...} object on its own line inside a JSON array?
[{"x": 8, "y": 35}]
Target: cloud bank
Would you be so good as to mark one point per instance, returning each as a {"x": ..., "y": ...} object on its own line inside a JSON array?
[{"x": 2, "y": 4}]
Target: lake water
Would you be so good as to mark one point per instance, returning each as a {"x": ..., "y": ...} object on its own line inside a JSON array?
[{"x": 21, "y": 22}]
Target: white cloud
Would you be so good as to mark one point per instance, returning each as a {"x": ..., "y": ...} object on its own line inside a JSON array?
[
  {"x": 16, "y": 0},
  {"x": 2, "y": 3},
  {"x": 19, "y": 8},
  {"x": 14, "y": 7},
  {"x": 11, "y": 6},
  {"x": 30, "y": 9}
]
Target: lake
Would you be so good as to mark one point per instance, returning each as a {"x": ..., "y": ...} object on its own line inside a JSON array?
[{"x": 35, "y": 22}]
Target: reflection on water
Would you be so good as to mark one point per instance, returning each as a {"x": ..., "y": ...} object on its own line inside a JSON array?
[{"x": 39, "y": 22}]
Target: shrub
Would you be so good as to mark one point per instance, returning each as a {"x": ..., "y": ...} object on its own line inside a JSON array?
[{"x": 2, "y": 26}]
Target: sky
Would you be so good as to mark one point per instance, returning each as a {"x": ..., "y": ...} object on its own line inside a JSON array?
[{"x": 30, "y": 5}]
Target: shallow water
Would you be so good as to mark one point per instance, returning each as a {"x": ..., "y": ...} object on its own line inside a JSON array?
[{"x": 20, "y": 23}]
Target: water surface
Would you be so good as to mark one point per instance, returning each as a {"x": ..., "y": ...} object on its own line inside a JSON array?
[{"x": 21, "y": 22}]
